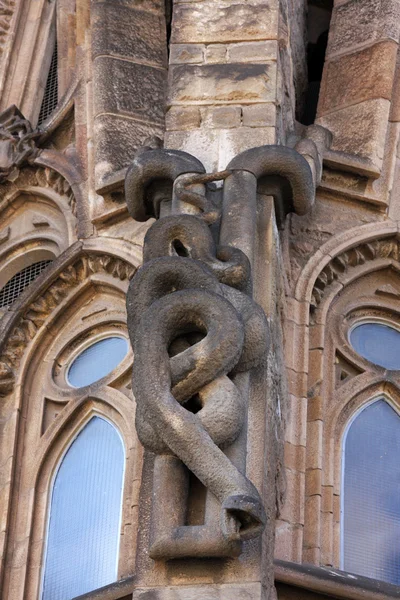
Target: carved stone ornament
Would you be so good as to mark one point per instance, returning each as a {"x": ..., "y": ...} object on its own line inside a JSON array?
[
  {"x": 17, "y": 141},
  {"x": 36, "y": 313},
  {"x": 195, "y": 330},
  {"x": 388, "y": 248}
]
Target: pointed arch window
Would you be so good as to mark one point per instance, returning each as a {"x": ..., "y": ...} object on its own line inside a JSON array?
[
  {"x": 371, "y": 494},
  {"x": 85, "y": 512}
]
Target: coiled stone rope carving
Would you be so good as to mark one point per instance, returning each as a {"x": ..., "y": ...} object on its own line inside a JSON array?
[{"x": 191, "y": 325}]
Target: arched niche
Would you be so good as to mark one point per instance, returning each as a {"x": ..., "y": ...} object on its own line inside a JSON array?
[
  {"x": 37, "y": 220},
  {"x": 368, "y": 258},
  {"x": 83, "y": 301},
  {"x": 340, "y": 380}
]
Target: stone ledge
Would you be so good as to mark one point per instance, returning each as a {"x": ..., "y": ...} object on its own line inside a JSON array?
[
  {"x": 320, "y": 580},
  {"x": 334, "y": 583}
]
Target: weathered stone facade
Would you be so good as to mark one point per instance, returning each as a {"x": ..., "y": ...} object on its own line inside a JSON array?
[{"x": 274, "y": 220}]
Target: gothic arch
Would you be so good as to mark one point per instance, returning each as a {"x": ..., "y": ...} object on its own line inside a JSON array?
[
  {"x": 306, "y": 531},
  {"x": 37, "y": 405},
  {"x": 359, "y": 282}
]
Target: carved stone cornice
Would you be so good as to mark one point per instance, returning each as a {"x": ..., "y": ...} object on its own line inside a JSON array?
[
  {"x": 336, "y": 269},
  {"x": 34, "y": 316}
]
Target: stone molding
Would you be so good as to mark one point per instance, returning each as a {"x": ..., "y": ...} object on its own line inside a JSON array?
[
  {"x": 7, "y": 8},
  {"x": 33, "y": 317},
  {"x": 33, "y": 176},
  {"x": 359, "y": 255}
]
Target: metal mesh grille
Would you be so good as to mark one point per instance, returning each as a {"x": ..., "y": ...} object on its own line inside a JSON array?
[
  {"x": 50, "y": 97},
  {"x": 13, "y": 288}
]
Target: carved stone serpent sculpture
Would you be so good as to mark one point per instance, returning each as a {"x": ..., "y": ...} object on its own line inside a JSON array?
[
  {"x": 171, "y": 301},
  {"x": 193, "y": 327}
]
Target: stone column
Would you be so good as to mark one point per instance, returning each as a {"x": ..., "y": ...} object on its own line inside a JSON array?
[{"x": 129, "y": 51}]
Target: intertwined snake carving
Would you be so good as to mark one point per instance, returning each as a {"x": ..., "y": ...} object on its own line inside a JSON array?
[{"x": 192, "y": 326}]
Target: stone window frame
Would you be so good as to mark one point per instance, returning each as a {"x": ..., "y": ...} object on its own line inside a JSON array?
[
  {"x": 339, "y": 297},
  {"x": 25, "y": 77},
  {"x": 110, "y": 397},
  {"x": 342, "y": 401},
  {"x": 305, "y": 529}
]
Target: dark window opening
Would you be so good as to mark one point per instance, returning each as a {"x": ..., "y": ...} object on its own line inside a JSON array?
[
  {"x": 50, "y": 98},
  {"x": 318, "y": 20},
  {"x": 13, "y": 288},
  {"x": 168, "y": 21}
]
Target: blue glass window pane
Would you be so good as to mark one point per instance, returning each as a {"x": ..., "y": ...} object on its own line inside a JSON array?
[
  {"x": 371, "y": 494},
  {"x": 97, "y": 361},
  {"x": 85, "y": 512},
  {"x": 378, "y": 343}
]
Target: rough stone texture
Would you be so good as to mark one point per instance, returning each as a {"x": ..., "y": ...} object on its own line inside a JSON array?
[
  {"x": 252, "y": 51},
  {"x": 216, "y": 53},
  {"x": 178, "y": 118},
  {"x": 359, "y": 22},
  {"x": 116, "y": 138},
  {"x": 373, "y": 69},
  {"x": 208, "y": 22},
  {"x": 360, "y": 129},
  {"x": 112, "y": 39},
  {"x": 114, "y": 93},
  {"x": 223, "y": 117},
  {"x": 186, "y": 53},
  {"x": 215, "y": 84},
  {"x": 259, "y": 115}
]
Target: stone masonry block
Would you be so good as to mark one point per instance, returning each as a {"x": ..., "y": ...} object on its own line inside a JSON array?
[
  {"x": 214, "y": 84},
  {"x": 216, "y": 53},
  {"x": 145, "y": 5},
  {"x": 127, "y": 88},
  {"x": 224, "y": 117},
  {"x": 359, "y": 76},
  {"x": 211, "y": 21},
  {"x": 395, "y": 106},
  {"x": 253, "y": 51},
  {"x": 233, "y": 141},
  {"x": 127, "y": 32},
  {"x": 186, "y": 53},
  {"x": 116, "y": 140},
  {"x": 259, "y": 115},
  {"x": 363, "y": 21},
  {"x": 182, "y": 118},
  {"x": 360, "y": 129},
  {"x": 202, "y": 143}
]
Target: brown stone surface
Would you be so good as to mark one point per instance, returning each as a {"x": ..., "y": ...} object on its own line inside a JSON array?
[
  {"x": 359, "y": 22},
  {"x": 115, "y": 80},
  {"x": 186, "y": 53},
  {"x": 209, "y": 21},
  {"x": 259, "y": 115},
  {"x": 215, "y": 84},
  {"x": 357, "y": 77},
  {"x": 141, "y": 38},
  {"x": 216, "y": 53},
  {"x": 360, "y": 129},
  {"x": 117, "y": 139},
  {"x": 253, "y": 51},
  {"x": 224, "y": 117},
  {"x": 179, "y": 117}
]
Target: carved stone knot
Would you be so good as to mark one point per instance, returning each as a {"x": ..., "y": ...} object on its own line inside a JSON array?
[
  {"x": 189, "y": 333},
  {"x": 17, "y": 141}
]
